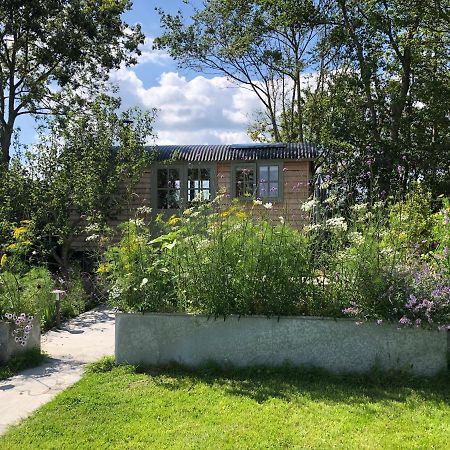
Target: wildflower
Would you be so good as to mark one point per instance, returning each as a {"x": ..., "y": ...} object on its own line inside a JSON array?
[
  {"x": 144, "y": 210},
  {"x": 311, "y": 228},
  {"x": 307, "y": 206},
  {"x": 187, "y": 212},
  {"x": 257, "y": 202},
  {"x": 281, "y": 219},
  {"x": 11, "y": 247},
  {"x": 268, "y": 205},
  {"x": 418, "y": 322},
  {"x": 241, "y": 215},
  {"x": 379, "y": 321},
  {"x": 3, "y": 260},
  {"x": 352, "y": 310},
  {"x": 446, "y": 218},
  {"x": 143, "y": 283},
  {"x": 173, "y": 220},
  {"x": 26, "y": 222},
  {"x": 102, "y": 268},
  {"x": 92, "y": 237},
  {"x": 19, "y": 231},
  {"x": 337, "y": 223},
  {"x": 356, "y": 238},
  {"x": 402, "y": 236},
  {"x": 405, "y": 321},
  {"x": 359, "y": 207}
]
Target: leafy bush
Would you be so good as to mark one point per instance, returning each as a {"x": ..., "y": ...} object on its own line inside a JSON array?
[{"x": 236, "y": 260}]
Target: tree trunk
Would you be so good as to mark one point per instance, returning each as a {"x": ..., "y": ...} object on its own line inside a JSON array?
[{"x": 6, "y": 132}]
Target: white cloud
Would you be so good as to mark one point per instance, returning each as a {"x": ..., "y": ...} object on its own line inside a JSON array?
[
  {"x": 197, "y": 111},
  {"x": 149, "y": 55}
]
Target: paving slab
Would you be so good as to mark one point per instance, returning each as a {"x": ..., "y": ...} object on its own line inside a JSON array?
[{"x": 78, "y": 342}]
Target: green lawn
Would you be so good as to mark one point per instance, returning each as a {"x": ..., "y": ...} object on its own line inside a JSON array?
[{"x": 174, "y": 408}]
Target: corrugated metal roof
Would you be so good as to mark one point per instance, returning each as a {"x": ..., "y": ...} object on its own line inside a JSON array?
[{"x": 237, "y": 152}]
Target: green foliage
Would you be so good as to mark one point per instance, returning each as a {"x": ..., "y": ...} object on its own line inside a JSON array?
[
  {"x": 21, "y": 361},
  {"x": 138, "y": 272},
  {"x": 29, "y": 294},
  {"x": 219, "y": 260},
  {"x": 56, "y": 54},
  {"x": 84, "y": 168}
]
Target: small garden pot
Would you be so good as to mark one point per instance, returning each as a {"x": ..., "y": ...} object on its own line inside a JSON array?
[
  {"x": 9, "y": 345},
  {"x": 337, "y": 345}
]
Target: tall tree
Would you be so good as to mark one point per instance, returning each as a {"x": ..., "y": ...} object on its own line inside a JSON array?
[
  {"x": 50, "y": 47},
  {"x": 262, "y": 45},
  {"x": 388, "y": 95}
]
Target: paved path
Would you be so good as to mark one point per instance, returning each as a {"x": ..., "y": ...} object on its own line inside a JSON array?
[{"x": 83, "y": 340}]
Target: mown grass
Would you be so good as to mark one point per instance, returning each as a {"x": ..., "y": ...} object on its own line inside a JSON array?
[
  {"x": 122, "y": 408},
  {"x": 25, "y": 360}
]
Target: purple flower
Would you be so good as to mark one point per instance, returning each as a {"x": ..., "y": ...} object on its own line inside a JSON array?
[
  {"x": 412, "y": 302},
  {"x": 404, "y": 321},
  {"x": 418, "y": 322}
]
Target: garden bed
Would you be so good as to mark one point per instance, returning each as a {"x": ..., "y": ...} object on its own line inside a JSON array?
[
  {"x": 337, "y": 345},
  {"x": 8, "y": 345}
]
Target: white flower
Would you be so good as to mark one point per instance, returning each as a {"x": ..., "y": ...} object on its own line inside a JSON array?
[
  {"x": 92, "y": 237},
  {"x": 257, "y": 202},
  {"x": 331, "y": 199},
  {"x": 268, "y": 205},
  {"x": 337, "y": 223},
  {"x": 144, "y": 210},
  {"x": 314, "y": 227},
  {"x": 356, "y": 238},
  {"x": 143, "y": 283},
  {"x": 307, "y": 206},
  {"x": 359, "y": 207},
  {"x": 281, "y": 219}
]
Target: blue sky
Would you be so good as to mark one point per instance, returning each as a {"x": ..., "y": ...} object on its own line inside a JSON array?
[{"x": 193, "y": 108}]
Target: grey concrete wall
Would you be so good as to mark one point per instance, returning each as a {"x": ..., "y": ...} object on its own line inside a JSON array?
[
  {"x": 8, "y": 346},
  {"x": 337, "y": 345}
]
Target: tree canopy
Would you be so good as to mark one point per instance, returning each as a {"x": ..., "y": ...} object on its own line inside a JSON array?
[
  {"x": 379, "y": 96},
  {"x": 51, "y": 47}
]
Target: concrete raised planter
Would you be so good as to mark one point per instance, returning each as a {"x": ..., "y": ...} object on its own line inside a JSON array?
[
  {"x": 8, "y": 345},
  {"x": 338, "y": 345}
]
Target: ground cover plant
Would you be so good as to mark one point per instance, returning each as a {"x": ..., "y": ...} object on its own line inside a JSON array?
[
  {"x": 383, "y": 261},
  {"x": 25, "y": 360},
  {"x": 119, "y": 407}
]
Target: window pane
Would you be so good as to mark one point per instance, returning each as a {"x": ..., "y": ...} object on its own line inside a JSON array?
[
  {"x": 264, "y": 174},
  {"x": 263, "y": 189},
  {"x": 174, "y": 179},
  {"x": 162, "y": 199},
  {"x": 205, "y": 174},
  {"x": 162, "y": 178},
  {"x": 273, "y": 190},
  {"x": 199, "y": 184},
  {"x": 245, "y": 182},
  {"x": 273, "y": 173}
]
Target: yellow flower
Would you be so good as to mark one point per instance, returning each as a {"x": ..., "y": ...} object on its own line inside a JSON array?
[
  {"x": 174, "y": 220},
  {"x": 11, "y": 247},
  {"x": 25, "y": 222},
  {"x": 3, "y": 260},
  {"x": 402, "y": 236},
  {"x": 102, "y": 268},
  {"x": 26, "y": 243},
  {"x": 19, "y": 231},
  {"x": 241, "y": 215},
  {"x": 224, "y": 214}
]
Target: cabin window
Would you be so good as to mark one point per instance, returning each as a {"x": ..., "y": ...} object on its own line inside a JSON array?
[
  {"x": 169, "y": 188},
  {"x": 268, "y": 181},
  {"x": 245, "y": 180},
  {"x": 261, "y": 180},
  {"x": 199, "y": 184}
]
